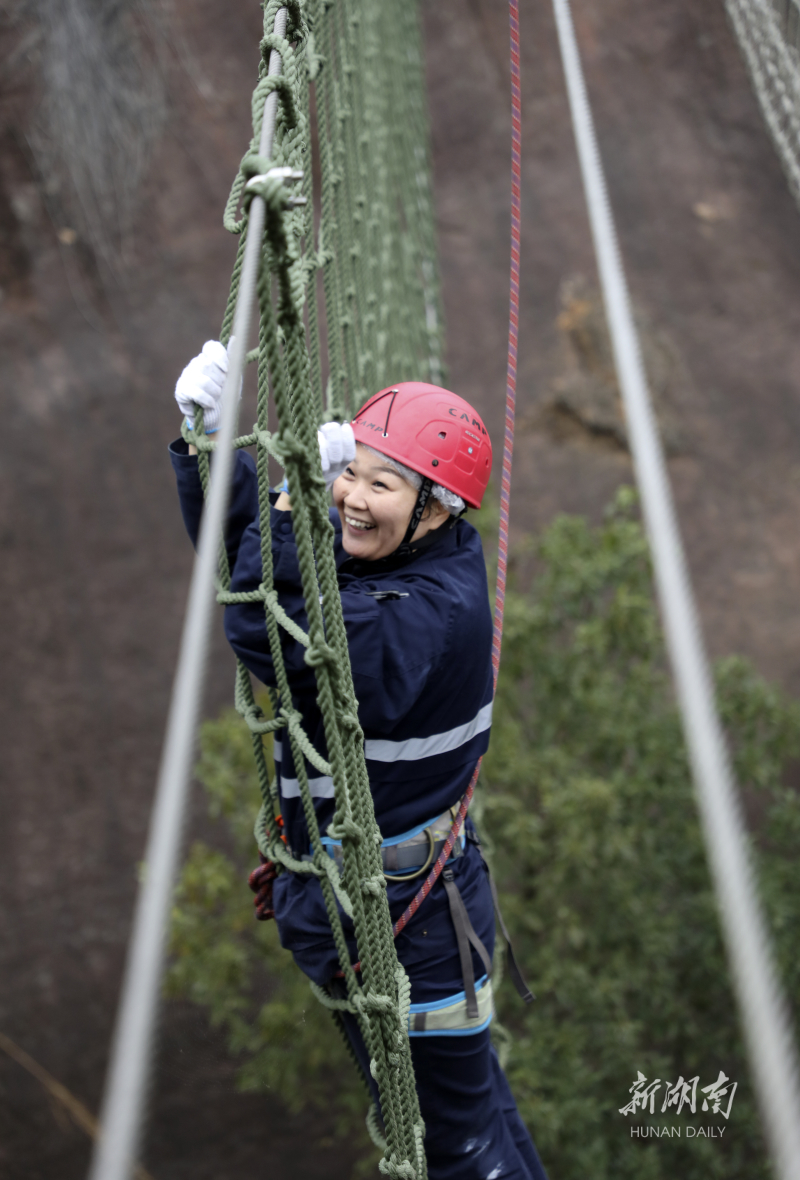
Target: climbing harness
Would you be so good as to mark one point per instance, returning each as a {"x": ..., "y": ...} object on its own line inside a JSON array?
[
  {"x": 455, "y": 1016},
  {"x": 767, "y": 1032},
  {"x": 408, "y": 855}
]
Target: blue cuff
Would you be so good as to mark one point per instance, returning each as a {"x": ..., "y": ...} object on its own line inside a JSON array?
[{"x": 214, "y": 431}]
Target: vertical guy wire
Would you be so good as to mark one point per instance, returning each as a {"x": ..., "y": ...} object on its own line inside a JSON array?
[
  {"x": 767, "y": 1031},
  {"x": 130, "y": 1068}
]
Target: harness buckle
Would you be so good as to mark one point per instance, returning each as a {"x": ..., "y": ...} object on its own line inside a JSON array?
[{"x": 417, "y": 853}]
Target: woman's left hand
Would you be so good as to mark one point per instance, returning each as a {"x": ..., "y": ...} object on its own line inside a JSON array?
[{"x": 337, "y": 448}]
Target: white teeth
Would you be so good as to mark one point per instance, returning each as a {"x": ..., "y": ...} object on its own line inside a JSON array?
[{"x": 358, "y": 524}]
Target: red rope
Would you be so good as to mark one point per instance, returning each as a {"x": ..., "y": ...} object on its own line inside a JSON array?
[
  {"x": 513, "y": 326},
  {"x": 508, "y": 450}
]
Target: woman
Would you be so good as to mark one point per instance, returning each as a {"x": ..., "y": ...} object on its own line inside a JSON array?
[{"x": 415, "y": 601}]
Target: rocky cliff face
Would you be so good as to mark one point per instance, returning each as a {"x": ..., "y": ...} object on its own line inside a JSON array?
[{"x": 94, "y": 562}]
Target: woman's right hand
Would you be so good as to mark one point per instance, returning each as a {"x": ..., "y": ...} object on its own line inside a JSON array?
[{"x": 201, "y": 384}]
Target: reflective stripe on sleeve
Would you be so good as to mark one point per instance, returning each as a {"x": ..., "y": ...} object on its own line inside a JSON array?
[
  {"x": 320, "y": 787},
  {"x": 413, "y": 749}
]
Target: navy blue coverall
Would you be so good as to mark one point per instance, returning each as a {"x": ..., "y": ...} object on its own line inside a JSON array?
[{"x": 421, "y": 663}]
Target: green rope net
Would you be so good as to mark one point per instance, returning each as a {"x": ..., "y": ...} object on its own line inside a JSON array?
[{"x": 352, "y": 120}]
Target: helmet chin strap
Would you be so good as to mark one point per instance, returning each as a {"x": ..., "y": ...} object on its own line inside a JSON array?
[{"x": 423, "y": 495}]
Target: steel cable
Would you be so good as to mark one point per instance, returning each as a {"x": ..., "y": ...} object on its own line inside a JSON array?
[
  {"x": 767, "y": 1031},
  {"x": 130, "y": 1068}
]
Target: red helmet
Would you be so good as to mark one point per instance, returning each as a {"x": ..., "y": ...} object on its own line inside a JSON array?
[{"x": 432, "y": 431}]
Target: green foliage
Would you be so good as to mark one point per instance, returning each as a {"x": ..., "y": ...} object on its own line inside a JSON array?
[
  {"x": 235, "y": 967},
  {"x": 588, "y": 804},
  {"x": 602, "y": 869}
]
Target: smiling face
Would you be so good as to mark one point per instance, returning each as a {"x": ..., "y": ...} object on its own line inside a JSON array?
[{"x": 375, "y": 506}]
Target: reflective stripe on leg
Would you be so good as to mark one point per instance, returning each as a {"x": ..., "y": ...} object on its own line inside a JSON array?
[{"x": 450, "y": 1017}]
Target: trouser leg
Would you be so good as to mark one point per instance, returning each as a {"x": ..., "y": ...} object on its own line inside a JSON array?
[
  {"x": 519, "y": 1132},
  {"x": 472, "y": 1126}
]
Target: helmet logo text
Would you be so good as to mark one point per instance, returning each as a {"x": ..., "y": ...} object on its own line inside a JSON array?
[{"x": 466, "y": 418}]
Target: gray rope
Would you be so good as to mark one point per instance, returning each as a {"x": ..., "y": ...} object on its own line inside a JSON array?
[
  {"x": 766, "y": 1026},
  {"x": 122, "y": 1112}
]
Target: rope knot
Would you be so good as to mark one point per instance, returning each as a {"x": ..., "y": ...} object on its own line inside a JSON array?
[
  {"x": 374, "y": 1003},
  {"x": 252, "y": 713},
  {"x": 373, "y": 886},
  {"x": 398, "y": 1171},
  {"x": 346, "y": 829},
  {"x": 293, "y": 449},
  {"x": 253, "y": 165},
  {"x": 274, "y": 41},
  {"x": 319, "y": 653},
  {"x": 270, "y": 184}
]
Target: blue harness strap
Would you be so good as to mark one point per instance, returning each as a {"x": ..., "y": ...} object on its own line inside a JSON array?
[{"x": 406, "y": 851}]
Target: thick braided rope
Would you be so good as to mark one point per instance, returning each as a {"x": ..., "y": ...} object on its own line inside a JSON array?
[
  {"x": 357, "y": 64},
  {"x": 377, "y": 1001},
  {"x": 382, "y": 312}
]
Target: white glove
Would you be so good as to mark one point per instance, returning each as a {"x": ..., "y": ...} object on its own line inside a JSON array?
[
  {"x": 201, "y": 384},
  {"x": 337, "y": 448}
]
